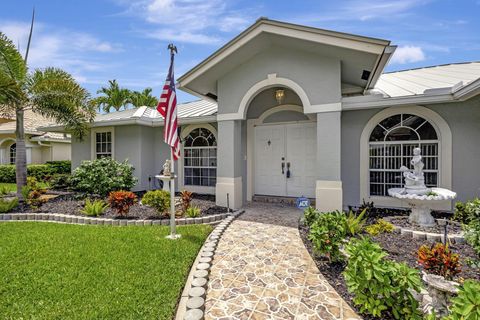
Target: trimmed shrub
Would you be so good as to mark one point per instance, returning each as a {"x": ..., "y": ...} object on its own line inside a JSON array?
[
  {"x": 7, "y": 173},
  {"x": 8, "y": 205},
  {"x": 42, "y": 172},
  {"x": 437, "y": 259},
  {"x": 472, "y": 235},
  {"x": 101, "y": 176},
  {"x": 381, "y": 226},
  {"x": 60, "y": 166},
  {"x": 327, "y": 233},
  {"x": 310, "y": 214},
  {"x": 192, "y": 212},
  {"x": 60, "y": 181},
  {"x": 121, "y": 201},
  {"x": 157, "y": 199},
  {"x": 466, "y": 305},
  {"x": 94, "y": 208},
  {"x": 380, "y": 286}
]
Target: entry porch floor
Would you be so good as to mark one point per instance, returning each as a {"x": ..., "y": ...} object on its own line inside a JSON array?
[{"x": 261, "y": 270}]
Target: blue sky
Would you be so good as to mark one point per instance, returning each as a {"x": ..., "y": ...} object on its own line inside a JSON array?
[{"x": 126, "y": 40}]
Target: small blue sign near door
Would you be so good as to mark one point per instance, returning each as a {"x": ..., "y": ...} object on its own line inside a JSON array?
[{"x": 303, "y": 203}]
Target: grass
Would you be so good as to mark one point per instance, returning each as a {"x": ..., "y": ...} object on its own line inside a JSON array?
[
  {"x": 56, "y": 271},
  {"x": 12, "y": 187}
]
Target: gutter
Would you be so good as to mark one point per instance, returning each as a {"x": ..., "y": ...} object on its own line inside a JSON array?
[{"x": 380, "y": 66}]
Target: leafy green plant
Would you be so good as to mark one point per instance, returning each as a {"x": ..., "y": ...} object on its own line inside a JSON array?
[
  {"x": 354, "y": 224},
  {"x": 327, "y": 233},
  {"x": 438, "y": 259},
  {"x": 380, "y": 286},
  {"x": 310, "y": 214},
  {"x": 157, "y": 199},
  {"x": 121, "y": 201},
  {"x": 192, "y": 212},
  {"x": 4, "y": 190},
  {"x": 101, "y": 176},
  {"x": 41, "y": 172},
  {"x": 468, "y": 211},
  {"x": 94, "y": 208},
  {"x": 472, "y": 235},
  {"x": 466, "y": 305},
  {"x": 432, "y": 193},
  {"x": 381, "y": 226},
  {"x": 60, "y": 181},
  {"x": 25, "y": 192},
  {"x": 8, "y": 205}
]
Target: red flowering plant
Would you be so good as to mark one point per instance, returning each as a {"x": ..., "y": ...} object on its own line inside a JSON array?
[
  {"x": 438, "y": 259},
  {"x": 121, "y": 201}
]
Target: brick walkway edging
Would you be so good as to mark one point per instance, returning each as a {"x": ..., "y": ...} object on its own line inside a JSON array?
[
  {"x": 192, "y": 301},
  {"x": 71, "y": 219}
]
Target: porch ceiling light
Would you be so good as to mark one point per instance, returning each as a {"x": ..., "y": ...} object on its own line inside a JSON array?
[{"x": 279, "y": 95}]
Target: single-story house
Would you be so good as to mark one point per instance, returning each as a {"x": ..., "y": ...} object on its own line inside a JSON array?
[
  {"x": 288, "y": 110},
  {"x": 40, "y": 146}
]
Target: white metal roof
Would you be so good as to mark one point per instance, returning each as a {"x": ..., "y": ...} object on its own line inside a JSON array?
[{"x": 418, "y": 81}]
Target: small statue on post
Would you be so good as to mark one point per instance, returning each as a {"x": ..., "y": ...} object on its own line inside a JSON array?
[{"x": 167, "y": 171}]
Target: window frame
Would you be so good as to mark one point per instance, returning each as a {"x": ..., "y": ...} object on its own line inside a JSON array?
[
  {"x": 93, "y": 141},
  {"x": 10, "y": 153}
]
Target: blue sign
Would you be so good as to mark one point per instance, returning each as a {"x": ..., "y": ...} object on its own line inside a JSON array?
[{"x": 303, "y": 203}]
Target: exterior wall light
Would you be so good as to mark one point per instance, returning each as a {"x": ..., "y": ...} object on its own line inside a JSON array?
[{"x": 279, "y": 95}]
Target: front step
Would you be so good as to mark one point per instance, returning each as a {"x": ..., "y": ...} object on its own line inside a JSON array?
[{"x": 289, "y": 201}]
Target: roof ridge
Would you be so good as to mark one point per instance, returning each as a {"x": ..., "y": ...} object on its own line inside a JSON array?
[{"x": 432, "y": 66}]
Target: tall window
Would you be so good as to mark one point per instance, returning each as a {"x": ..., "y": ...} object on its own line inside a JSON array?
[
  {"x": 391, "y": 146},
  {"x": 13, "y": 153},
  {"x": 200, "y": 158},
  {"x": 103, "y": 144}
]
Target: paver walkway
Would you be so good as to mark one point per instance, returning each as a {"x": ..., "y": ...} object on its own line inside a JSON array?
[{"x": 261, "y": 270}]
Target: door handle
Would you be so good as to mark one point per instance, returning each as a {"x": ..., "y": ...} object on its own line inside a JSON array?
[
  {"x": 288, "y": 169},
  {"x": 283, "y": 167}
]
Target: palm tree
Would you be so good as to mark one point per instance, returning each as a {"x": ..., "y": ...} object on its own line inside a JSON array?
[
  {"x": 50, "y": 92},
  {"x": 113, "y": 97},
  {"x": 144, "y": 98}
]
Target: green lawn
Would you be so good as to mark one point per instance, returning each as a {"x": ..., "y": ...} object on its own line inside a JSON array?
[
  {"x": 56, "y": 271},
  {"x": 12, "y": 187}
]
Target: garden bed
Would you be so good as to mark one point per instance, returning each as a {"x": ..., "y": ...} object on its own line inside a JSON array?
[
  {"x": 72, "y": 204},
  {"x": 402, "y": 221}
]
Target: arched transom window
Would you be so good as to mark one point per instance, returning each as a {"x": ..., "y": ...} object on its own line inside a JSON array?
[
  {"x": 391, "y": 146},
  {"x": 13, "y": 153},
  {"x": 200, "y": 158}
]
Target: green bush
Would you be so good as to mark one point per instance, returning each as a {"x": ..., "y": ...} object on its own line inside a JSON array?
[
  {"x": 327, "y": 233},
  {"x": 381, "y": 226},
  {"x": 7, "y": 173},
  {"x": 192, "y": 212},
  {"x": 157, "y": 199},
  {"x": 60, "y": 181},
  {"x": 94, "y": 208},
  {"x": 380, "y": 286},
  {"x": 41, "y": 172},
  {"x": 354, "y": 224},
  {"x": 8, "y": 205},
  {"x": 101, "y": 176},
  {"x": 466, "y": 305},
  {"x": 472, "y": 235},
  {"x": 310, "y": 214},
  {"x": 468, "y": 211},
  {"x": 60, "y": 166}
]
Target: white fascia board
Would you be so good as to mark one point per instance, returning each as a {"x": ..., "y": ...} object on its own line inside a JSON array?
[
  {"x": 468, "y": 91},
  {"x": 380, "y": 64},
  {"x": 365, "y": 102}
]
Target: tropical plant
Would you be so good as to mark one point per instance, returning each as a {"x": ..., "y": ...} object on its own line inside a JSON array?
[
  {"x": 157, "y": 199},
  {"x": 60, "y": 181},
  {"x": 354, "y": 223},
  {"x": 8, "y": 205},
  {"x": 186, "y": 198},
  {"x": 143, "y": 98},
  {"x": 121, "y": 201},
  {"x": 102, "y": 176},
  {"x": 381, "y": 226},
  {"x": 327, "y": 233},
  {"x": 380, "y": 286},
  {"x": 51, "y": 92},
  {"x": 193, "y": 212},
  {"x": 466, "y": 305},
  {"x": 94, "y": 208},
  {"x": 4, "y": 190},
  {"x": 310, "y": 214},
  {"x": 472, "y": 235},
  {"x": 113, "y": 97},
  {"x": 34, "y": 198},
  {"x": 438, "y": 259},
  {"x": 466, "y": 212}
]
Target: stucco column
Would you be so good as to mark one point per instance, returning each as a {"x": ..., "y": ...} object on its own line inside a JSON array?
[
  {"x": 328, "y": 191},
  {"x": 229, "y": 164}
]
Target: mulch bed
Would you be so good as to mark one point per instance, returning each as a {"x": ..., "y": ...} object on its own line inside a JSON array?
[
  {"x": 400, "y": 248},
  {"x": 453, "y": 226},
  {"x": 74, "y": 203}
]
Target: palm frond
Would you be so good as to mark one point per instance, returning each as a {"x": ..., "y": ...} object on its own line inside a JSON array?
[{"x": 12, "y": 72}]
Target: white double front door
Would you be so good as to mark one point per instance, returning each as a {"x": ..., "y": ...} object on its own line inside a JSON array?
[{"x": 285, "y": 159}]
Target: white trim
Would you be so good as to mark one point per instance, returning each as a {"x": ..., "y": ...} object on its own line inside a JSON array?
[
  {"x": 251, "y": 124},
  {"x": 326, "y": 107},
  {"x": 183, "y": 134},
  {"x": 444, "y": 151},
  {"x": 93, "y": 143}
]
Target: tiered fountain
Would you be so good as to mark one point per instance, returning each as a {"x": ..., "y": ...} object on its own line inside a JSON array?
[{"x": 416, "y": 193}]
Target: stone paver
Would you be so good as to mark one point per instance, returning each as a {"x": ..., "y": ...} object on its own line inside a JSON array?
[{"x": 261, "y": 270}]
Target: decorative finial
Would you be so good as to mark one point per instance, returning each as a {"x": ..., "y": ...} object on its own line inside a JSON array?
[{"x": 172, "y": 48}]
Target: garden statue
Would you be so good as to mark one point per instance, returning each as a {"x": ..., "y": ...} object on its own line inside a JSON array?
[
  {"x": 415, "y": 179},
  {"x": 167, "y": 168}
]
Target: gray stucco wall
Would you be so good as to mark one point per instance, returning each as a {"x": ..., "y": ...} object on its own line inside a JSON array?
[
  {"x": 463, "y": 119},
  {"x": 319, "y": 77}
]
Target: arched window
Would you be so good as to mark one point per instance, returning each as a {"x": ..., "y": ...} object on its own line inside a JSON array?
[
  {"x": 391, "y": 146},
  {"x": 13, "y": 153},
  {"x": 200, "y": 158}
]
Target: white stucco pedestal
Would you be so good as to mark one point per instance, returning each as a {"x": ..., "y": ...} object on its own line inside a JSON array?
[
  {"x": 165, "y": 180},
  {"x": 328, "y": 195}
]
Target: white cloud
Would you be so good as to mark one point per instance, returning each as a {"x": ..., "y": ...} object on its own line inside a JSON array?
[
  {"x": 192, "y": 21},
  {"x": 408, "y": 54}
]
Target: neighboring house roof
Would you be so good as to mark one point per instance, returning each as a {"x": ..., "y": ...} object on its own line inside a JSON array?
[
  {"x": 421, "y": 80},
  {"x": 32, "y": 122}
]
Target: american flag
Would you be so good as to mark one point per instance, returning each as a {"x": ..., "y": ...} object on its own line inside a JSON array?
[{"x": 167, "y": 107}]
